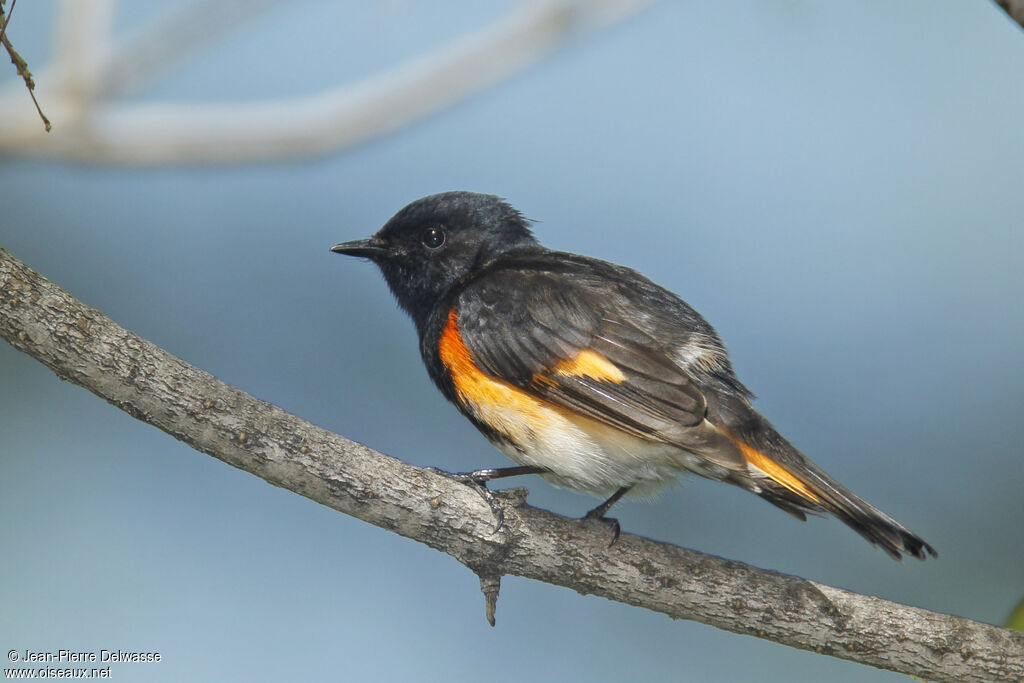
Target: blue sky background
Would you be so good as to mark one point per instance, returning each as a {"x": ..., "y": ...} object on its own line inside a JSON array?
[{"x": 835, "y": 186}]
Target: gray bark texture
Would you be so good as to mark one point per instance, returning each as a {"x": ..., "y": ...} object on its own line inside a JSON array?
[{"x": 83, "y": 346}]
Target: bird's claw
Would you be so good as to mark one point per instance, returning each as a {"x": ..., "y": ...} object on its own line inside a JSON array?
[
  {"x": 610, "y": 522},
  {"x": 477, "y": 480}
]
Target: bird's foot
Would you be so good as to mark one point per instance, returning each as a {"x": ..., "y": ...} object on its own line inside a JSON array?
[
  {"x": 609, "y": 522},
  {"x": 477, "y": 480},
  {"x": 598, "y": 514}
]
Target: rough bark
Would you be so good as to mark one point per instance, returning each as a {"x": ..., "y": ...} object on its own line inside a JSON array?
[{"x": 83, "y": 346}]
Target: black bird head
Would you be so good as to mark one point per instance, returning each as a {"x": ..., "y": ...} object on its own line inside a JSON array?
[{"x": 434, "y": 243}]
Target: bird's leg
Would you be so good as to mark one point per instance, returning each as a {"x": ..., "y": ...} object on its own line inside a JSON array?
[
  {"x": 599, "y": 512},
  {"x": 477, "y": 480}
]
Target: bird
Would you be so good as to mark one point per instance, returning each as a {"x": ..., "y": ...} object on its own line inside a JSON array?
[{"x": 586, "y": 372}]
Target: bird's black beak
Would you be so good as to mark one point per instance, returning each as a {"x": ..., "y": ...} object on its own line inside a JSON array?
[{"x": 369, "y": 248}]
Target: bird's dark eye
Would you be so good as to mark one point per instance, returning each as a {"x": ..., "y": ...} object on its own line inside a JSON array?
[{"x": 433, "y": 237}]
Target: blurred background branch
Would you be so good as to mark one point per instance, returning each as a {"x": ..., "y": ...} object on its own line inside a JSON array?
[
  {"x": 90, "y": 72},
  {"x": 82, "y": 345}
]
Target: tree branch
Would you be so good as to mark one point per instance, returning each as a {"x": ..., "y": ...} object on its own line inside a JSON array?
[
  {"x": 101, "y": 129},
  {"x": 82, "y": 345},
  {"x": 1015, "y": 8}
]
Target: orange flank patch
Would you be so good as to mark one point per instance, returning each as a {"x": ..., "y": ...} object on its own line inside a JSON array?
[
  {"x": 472, "y": 384},
  {"x": 589, "y": 363},
  {"x": 776, "y": 472},
  {"x": 513, "y": 412}
]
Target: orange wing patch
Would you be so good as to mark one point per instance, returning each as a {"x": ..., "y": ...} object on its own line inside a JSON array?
[
  {"x": 589, "y": 363},
  {"x": 776, "y": 472}
]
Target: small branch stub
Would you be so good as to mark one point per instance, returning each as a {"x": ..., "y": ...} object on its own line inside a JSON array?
[{"x": 490, "y": 584}]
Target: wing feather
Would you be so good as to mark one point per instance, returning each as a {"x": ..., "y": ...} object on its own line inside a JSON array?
[{"x": 540, "y": 324}]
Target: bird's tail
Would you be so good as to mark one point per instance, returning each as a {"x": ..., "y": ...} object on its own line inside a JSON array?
[{"x": 786, "y": 478}]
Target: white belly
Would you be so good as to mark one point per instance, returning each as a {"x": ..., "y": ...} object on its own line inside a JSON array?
[{"x": 581, "y": 453}]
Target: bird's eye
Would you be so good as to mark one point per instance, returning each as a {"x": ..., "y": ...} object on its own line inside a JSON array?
[{"x": 433, "y": 237}]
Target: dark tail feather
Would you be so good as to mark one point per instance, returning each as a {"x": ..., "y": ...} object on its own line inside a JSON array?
[
  {"x": 798, "y": 486},
  {"x": 864, "y": 518},
  {"x": 877, "y": 527}
]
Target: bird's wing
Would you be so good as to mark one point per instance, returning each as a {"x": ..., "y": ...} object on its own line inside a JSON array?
[{"x": 575, "y": 343}]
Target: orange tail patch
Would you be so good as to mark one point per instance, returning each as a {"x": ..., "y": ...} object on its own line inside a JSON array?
[{"x": 776, "y": 472}]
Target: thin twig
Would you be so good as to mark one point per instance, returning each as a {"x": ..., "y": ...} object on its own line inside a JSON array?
[
  {"x": 7, "y": 20},
  {"x": 20, "y": 63}
]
